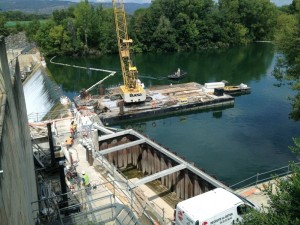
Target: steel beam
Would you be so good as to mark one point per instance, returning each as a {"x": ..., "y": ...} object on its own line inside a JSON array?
[
  {"x": 121, "y": 147},
  {"x": 159, "y": 148},
  {"x": 189, "y": 166},
  {"x": 103, "y": 129},
  {"x": 159, "y": 175},
  {"x": 114, "y": 135}
]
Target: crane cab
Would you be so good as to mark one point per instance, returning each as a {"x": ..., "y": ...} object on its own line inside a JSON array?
[{"x": 130, "y": 96}]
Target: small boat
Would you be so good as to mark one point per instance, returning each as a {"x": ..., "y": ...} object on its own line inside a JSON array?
[
  {"x": 177, "y": 75},
  {"x": 237, "y": 90},
  {"x": 219, "y": 88}
]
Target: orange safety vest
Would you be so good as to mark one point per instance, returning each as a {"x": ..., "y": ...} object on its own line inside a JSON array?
[{"x": 69, "y": 141}]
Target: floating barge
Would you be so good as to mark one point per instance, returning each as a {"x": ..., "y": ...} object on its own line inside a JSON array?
[
  {"x": 218, "y": 88},
  {"x": 241, "y": 89},
  {"x": 161, "y": 100}
]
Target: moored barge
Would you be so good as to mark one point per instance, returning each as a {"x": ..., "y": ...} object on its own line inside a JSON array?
[{"x": 161, "y": 100}]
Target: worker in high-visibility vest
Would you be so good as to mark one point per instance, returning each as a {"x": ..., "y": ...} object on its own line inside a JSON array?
[
  {"x": 86, "y": 182},
  {"x": 69, "y": 142},
  {"x": 73, "y": 129}
]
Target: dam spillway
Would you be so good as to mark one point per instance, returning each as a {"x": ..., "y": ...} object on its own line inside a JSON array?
[{"x": 41, "y": 94}]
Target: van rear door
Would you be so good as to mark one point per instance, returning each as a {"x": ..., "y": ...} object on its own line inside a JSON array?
[{"x": 181, "y": 218}]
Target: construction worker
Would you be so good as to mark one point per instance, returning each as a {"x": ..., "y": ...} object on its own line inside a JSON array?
[
  {"x": 69, "y": 142},
  {"x": 73, "y": 129},
  {"x": 86, "y": 182}
]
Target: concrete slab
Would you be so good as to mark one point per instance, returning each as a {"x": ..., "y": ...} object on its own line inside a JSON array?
[
  {"x": 256, "y": 194},
  {"x": 157, "y": 202}
]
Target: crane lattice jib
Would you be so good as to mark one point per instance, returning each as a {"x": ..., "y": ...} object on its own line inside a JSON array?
[{"x": 129, "y": 72}]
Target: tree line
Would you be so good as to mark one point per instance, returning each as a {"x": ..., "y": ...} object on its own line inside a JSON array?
[{"x": 166, "y": 26}]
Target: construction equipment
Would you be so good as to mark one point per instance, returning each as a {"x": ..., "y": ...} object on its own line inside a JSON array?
[{"x": 132, "y": 90}]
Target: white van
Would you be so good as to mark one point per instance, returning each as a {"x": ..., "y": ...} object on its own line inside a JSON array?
[{"x": 216, "y": 207}]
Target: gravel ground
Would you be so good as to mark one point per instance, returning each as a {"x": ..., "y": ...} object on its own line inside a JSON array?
[{"x": 17, "y": 41}]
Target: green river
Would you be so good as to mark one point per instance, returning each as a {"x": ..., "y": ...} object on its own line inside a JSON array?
[{"x": 231, "y": 144}]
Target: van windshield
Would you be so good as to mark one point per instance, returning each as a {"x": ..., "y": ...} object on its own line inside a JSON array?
[{"x": 245, "y": 200}]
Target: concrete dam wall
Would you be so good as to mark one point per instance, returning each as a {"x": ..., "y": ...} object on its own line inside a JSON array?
[{"x": 17, "y": 181}]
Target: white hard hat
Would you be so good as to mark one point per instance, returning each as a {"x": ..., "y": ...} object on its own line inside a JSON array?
[{"x": 83, "y": 172}]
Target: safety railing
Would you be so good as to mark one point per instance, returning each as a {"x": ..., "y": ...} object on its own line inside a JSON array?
[
  {"x": 136, "y": 203},
  {"x": 96, "y": 204},
  {"x": 42, "y": 116},
  {"x": 263, "y": 177}
]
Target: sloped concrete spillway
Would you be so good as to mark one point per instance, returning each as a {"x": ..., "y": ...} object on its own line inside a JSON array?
[{"x": 41, "y": 94}]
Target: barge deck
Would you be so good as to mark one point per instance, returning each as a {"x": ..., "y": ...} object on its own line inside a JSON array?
[{"x": 161, "y": 100}]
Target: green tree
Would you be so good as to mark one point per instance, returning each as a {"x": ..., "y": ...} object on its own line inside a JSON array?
[
  {"x": 43, "y": 39},
  {"x": 287, "y": 40},
  {"x": 259, "y": 17},
  {"x": 32, "y": 29},
  {"x": 105, "y": 35},
  {"x": 3, "y": 29},
  {"x": 234, "y": 32},
  {"x": 59, "y": 16},
  {"x": 142, "y": 28},
  {"x": 164, "y": 38},
  {"x": 70, "y": 29},
  {"x": 83, "y": 18},
  {"x": 167, "y": 25}
]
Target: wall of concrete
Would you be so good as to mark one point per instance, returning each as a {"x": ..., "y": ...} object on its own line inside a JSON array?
[
  {"x": 150, "y": 161},
  {"x": 17, "y": 182}
]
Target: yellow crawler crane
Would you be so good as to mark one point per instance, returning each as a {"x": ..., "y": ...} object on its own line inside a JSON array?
[{"x": 132, "y": 90}]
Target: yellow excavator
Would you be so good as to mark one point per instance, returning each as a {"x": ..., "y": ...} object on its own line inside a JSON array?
[{"x": 132, "y": 91}]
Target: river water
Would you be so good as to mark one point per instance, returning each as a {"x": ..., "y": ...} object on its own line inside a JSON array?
[{"x": 231, "y": 144}]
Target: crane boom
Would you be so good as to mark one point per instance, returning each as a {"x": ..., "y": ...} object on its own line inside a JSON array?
[{"x": 132, "y": 90}]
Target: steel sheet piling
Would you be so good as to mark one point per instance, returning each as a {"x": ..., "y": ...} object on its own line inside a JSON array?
[{"x": 150, "y": 160}]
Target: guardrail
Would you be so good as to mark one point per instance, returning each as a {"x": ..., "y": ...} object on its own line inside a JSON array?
[
  {"x": 263, "y": 177},
  {"x": 41, "y": 116},
  {"x": 98, "y": 203},
  {"x": 136, "y": 203}
]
